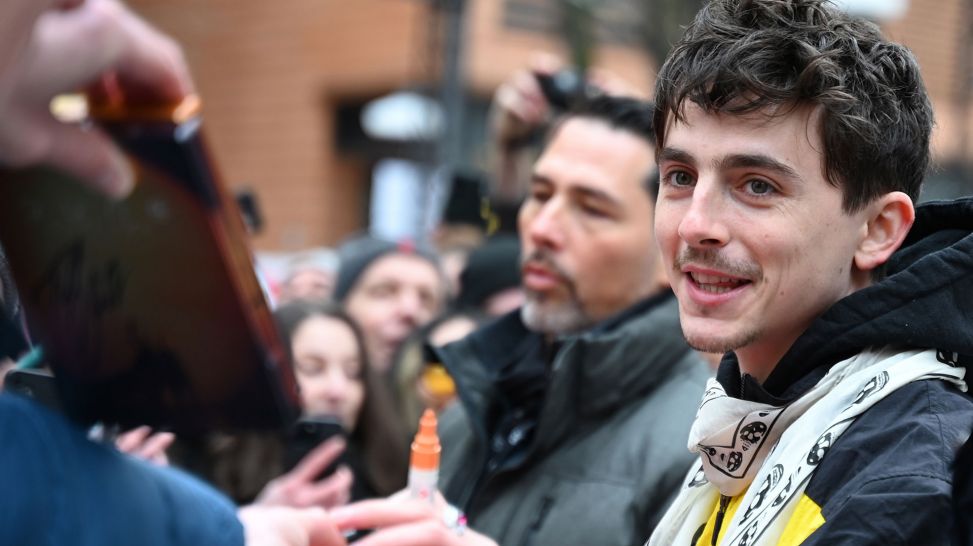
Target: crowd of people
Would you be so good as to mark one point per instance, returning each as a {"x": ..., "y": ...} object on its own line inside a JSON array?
[{"x": 762, "y": 208}]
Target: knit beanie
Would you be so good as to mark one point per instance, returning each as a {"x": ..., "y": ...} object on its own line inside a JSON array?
[
  {"x": 490, "y": 269},
  {"x": 357, "y": 255}
]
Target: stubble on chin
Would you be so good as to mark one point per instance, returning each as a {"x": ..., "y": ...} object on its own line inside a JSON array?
[{"x": 711, "y": 344}]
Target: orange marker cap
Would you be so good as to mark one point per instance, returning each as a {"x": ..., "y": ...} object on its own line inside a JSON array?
[{"x": 425, "y": 447}]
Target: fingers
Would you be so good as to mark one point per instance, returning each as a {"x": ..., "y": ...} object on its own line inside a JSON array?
[
  {"x": 299, "y": 487},
  {"x": 402, "y": 524},
  {"x": 154, "y": 448},
  {"x": 330, "y": 492},
  {"x": 412, "y": 523},
  {"x": 280, "y": 526},
  {"x": 16, "y": 25},
  {"x": 78, "y": 43},
  {"x": 152, "y": 66},
  {"x": 523, "y": 97},
  {"x": 403, "y": 495},
  {"x": 519, "y": 104},
  {"x": 519, "y": 107},
  {"x": 421, "y": 533},
  {"x": 141, "y": 443},
  {"x": 315, "y": 462},
  {"x": 129, "y": 441},
  {"x": 101, "y": 36},
  {"x": 321, "y": 529},
  {"x": 32, "y": 137},
  {"x": 86, "y": 152},
  {"x": 68, "y": 49},
  {"x": 374, "y": 514}
]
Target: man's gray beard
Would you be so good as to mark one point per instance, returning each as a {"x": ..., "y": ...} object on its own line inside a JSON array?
[{"x": 553, "y": 318}]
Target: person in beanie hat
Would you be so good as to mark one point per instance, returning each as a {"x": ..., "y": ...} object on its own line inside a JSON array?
[
  {"x": 389, "y": 289},
  {"x": 490, "y": 282},
  {"x": 310, "y": 276}
]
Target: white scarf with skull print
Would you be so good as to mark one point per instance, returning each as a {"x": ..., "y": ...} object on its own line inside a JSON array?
[{"x": 779, "y": 448}]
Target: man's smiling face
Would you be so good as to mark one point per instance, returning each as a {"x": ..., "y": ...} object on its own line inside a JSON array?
[{"x": 753, "y": 236}]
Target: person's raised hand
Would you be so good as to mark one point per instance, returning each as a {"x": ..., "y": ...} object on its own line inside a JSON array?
[
  {"x": 142, "y": 443},
  {"x": 300, "y": 487},
  {"x": 17, "y": 18},
  {"x": 519, "y": 106},
  {"x": 79, "y": 47},
  {"x": 284, "y": 526}
]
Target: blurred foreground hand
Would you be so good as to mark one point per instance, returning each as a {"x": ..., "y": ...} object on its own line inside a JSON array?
[
  {"x": 94, "y": 45},
  {"x": 49, "y": 47},
  {"x": 398, "y": 522},
  {"x": 282, "y": 526}
]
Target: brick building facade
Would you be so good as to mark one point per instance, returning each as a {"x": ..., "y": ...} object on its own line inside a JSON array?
[{"x": 276, "y": 77}]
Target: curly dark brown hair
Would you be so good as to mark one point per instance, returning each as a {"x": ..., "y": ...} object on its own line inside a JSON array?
[{"x": 746, "y": 56}]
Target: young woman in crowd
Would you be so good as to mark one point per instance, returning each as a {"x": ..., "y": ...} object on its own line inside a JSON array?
[
  {"x": 329, "y": 358},
  {"x": 370, "y": 459}
]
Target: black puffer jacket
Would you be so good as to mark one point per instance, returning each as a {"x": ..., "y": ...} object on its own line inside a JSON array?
[{"x": 892, "y": 477}]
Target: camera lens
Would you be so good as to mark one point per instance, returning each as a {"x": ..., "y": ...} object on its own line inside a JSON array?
[{"x": 568, "y": 83}]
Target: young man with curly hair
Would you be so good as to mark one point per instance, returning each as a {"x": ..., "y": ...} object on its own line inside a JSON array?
[{"x": 792, "y": 143}]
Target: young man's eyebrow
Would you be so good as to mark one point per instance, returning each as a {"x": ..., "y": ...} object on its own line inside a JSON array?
[
  {"x": 757, "y": 161},
  {"x": 735, "y": 161}
]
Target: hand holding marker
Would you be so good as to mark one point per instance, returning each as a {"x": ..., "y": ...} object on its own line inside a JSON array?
[
  {"x": 424, "y": 473},
  {"x": 392, "y": 520},
  {"x": 424, "y": 462}
]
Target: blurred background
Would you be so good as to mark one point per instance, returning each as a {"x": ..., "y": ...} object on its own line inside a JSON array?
[{"x": 341, "y": 116}]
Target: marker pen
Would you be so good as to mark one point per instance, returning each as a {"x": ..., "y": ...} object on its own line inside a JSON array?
[{"x": 424, "y": 462}]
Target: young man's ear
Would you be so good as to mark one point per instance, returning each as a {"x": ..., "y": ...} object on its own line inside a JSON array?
[{"x": 889, "y": 219}]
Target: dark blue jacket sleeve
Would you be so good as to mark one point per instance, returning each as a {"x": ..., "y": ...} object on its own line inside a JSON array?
[{"x": 57, "y": 487}]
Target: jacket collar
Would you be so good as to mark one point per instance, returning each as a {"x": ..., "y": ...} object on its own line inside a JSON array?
[
  {"x": 593, "y": 372},
  {"x": 625, "y": 357}
]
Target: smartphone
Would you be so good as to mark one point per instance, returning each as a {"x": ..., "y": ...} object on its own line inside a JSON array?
[
  {"x": 34, "y": 384},
  {"x": 307, "y": 434},
  {"x": 148, "y": 309}
]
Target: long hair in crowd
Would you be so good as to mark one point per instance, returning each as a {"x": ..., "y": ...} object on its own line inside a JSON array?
[{"x": 377, "y": 435}]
